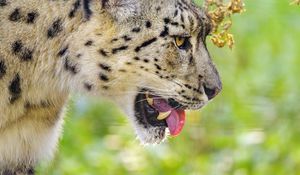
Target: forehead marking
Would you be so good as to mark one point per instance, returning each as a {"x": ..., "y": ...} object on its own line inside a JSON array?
[{"x": 165, "y": 32}]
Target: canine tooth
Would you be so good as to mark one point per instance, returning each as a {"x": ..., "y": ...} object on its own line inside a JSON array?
[
  {"x": 149, "y": 100},
  {"x": 163, "y": 115}
]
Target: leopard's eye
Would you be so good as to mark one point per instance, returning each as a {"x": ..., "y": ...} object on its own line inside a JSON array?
[{"x": 182, "y": 42}]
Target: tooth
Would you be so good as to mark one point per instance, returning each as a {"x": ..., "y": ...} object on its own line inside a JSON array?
[
  {"x": 149, "y": 100},
  {"x": 163, "y": 115}
]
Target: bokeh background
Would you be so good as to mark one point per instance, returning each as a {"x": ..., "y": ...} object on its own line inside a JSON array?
[{"x": 252, "y": 128}]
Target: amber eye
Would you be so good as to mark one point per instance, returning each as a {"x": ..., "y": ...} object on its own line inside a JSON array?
[{"x": 182, "y": 42}]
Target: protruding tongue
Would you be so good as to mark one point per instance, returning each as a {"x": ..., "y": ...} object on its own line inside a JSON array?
[{"x": 175, "y": 120}]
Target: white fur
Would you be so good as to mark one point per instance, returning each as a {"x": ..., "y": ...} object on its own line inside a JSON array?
[{"x": 30, "y": 134}]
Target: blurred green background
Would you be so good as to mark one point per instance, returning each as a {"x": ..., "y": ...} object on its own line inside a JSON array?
[{"x": 252, "y": 128}]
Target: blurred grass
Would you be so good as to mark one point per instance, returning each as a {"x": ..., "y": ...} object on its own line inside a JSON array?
[{"x": 252, "y": 128}]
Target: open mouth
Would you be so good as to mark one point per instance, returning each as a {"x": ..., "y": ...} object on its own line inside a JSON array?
[{"x": 155, "y": 111}]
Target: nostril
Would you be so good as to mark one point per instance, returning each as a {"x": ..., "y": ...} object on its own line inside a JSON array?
[{"x": 211, "y": 93}]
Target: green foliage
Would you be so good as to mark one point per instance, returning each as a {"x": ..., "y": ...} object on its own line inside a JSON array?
[{"x": 252, "y": 128}]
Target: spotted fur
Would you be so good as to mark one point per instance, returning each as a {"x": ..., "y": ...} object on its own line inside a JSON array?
[{"x": 108, "y": 48}]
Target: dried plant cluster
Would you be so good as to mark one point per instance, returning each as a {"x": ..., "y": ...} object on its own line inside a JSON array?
[
  {"x": 220, "y": 13},
  {"x": 297, "y": 2}
]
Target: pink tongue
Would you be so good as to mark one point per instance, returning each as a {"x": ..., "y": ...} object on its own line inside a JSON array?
[{"x": 175, "y": 120}]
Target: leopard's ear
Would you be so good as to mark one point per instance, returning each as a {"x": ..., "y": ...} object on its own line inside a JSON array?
[{"x": 122, "y": 10}]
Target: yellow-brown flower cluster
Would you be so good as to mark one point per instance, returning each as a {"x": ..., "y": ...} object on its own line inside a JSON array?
[
  {"x": 296, "y": 2},
  {"x": 220, "y": 13}
]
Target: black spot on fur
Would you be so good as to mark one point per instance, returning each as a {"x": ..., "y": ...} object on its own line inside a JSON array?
[
  {"x": 167, "y": 20},
  {"x": 87, "y": 11},
  {"x": 105, "y": 87},
  {"x": 88, "y": 43},
  {"x": 20, "y": 170},
  {"x": 119, "y": 49},
  {"x": 188, "y": 86},
  {"x": 28, "y": 105},
  {"x": 186, "y": 97},
  {"x": 55, "y": 28},
  {"x": 165, "y": 32},
  {"x": 105, "y": 67},
  {"x": 158, "y": 9},
  {"x": 136, "y": 30},
  {"x": 31, "y": 17},
  {"x": 103, "y": 3},
  {"x": 175, "y": 13},
  {"x": 26, "y": 54},
  {"x": 2, "y": 69},
  {"x": 145, "y": 44},
  {"x": 146, "y": 60},
  {"x": 103, "y": 77},
  {"x": 74, "y": 9},
  {"x": 182, "y": 18},
  {"x": 17, "y": 46},
  {"x": 174, "y": 24},
  {"x": 3, "y": 3},
  {"x": 148, "y": 24},
  {"x": 15, "y": 89},
  {"x": 30, "y": 171},
  {"x": 136, "y": 58},
  {"x": 191, "y": 59},
  {"x": 7, "y": 172},
  {"x": 88, "y": 86},
  {"x": 43, "y": 104},
  {"x": 114, "y": 40},
  {"x": 122, "y": 70},
  {"x": 103, "y": 52},
  {"x": 15, "y": 15},
  {"x": 22, "y": 52},
  {"x": 126, "y": 38},
  {"x": 63, "y": 51},
  {"x": 157, "y": 66},
  {"x": 79, "y": 55},
  {"x": 69, "y": 67},
  {"x": 197, "y": 90}
]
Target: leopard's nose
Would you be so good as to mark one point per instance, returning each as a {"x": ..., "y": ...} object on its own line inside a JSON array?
[{"x": 211, "y": 92}]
